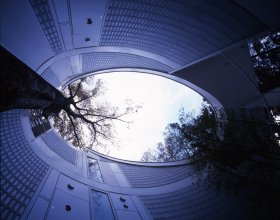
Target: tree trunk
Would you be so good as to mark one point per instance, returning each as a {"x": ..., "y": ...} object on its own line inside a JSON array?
[{"x": 23, "y": 88}]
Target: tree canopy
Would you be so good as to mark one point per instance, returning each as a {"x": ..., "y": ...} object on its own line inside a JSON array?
[
  {"x": 227, "y": 155},
  {"x": 90, "y": 123},
  {"x": 76, "y": 115},
  {"x": 230, "y": 155},
  {"x": 182, "y": 137}
]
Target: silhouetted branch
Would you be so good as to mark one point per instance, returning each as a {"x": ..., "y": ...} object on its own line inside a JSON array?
[
  {"x": 74, "y": 127},
  {"x": 78, "y": 87}
]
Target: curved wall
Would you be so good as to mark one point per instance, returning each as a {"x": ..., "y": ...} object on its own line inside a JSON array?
[
  {"x": 41, "y": 176},
  {"x": 203, "y": 42},
  {"x": 22, "y": 171}
]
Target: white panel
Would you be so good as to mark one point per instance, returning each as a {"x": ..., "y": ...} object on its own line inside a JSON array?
[
  {"x": 225, "y": 81},
  {"x": 115, "y": 168},
  {"x": 84, "y": 9},
  {"x": 81, "y": 40},
  {"x": 65, "y": 206},
  {"x": 73, "y": 187},
  {"x": 108, "y": 176},
  {"x": 22, "y": 34},
  {"x": 240, "y": 57},
  {"x": 122, "y": 202},
  {"x": 62, "y": 69},
  {"x": 61, "y": 9},
  {"x": 67, "y": 36},
  {"x": 76, "y": 64},
  {"x": 80, "y": 12},
  {"x": 49, "y": 186},
  {"x": 39, "y": 209},
  {"x": 127, "y": 215},
  {"x": 121, "y": 179}
]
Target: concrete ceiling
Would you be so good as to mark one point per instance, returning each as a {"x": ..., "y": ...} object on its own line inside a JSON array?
[
  {"x": 159, "y": 34},
  {"x": 66, "y": 38}
]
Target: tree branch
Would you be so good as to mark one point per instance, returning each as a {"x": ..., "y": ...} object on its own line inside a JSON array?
[
  {"x": 74, "y": 128},
  {"x": 85, "y": 98},
  {"x": 78, "y": 87},
  {"x": 70, "y": 90}
]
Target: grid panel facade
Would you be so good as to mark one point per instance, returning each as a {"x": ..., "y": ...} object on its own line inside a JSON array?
[
  {"x": 57, "y": 145},
  {"x": 109, "y": 60},
  {"x": 189, "y": 203},
  {"x": 21, "y": 169},
  {"x": 182, "y": 31},
  {"x": 140, "y": 176},
  {"x": 50, "y": 77},
  {"x": 45, "y": 18}
]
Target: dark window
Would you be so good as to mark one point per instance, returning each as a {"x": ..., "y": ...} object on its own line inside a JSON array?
[
  {"x": 39, "y": 124},
  {"x": 265, "y": 53},
  {"x": 101, "y": 206}
]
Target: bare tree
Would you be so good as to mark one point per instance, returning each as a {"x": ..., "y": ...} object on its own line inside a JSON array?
[
  {"x": 89, "y": 122},
  {"x": 76, "y": 115}
]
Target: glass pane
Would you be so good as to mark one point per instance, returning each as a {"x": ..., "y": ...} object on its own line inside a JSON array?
[
  {"x": 94, "y": 170},
  {"x": 101, "y": 206}
]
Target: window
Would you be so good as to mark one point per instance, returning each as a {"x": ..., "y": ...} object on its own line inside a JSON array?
[
  {"x": 101, "y": 206},
  {"x": 39, "y": 124},
  {"x": 94, "y": 172}
]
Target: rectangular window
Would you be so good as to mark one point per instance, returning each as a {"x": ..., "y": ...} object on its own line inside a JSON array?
[
  {"x": 39, "y": 124},
  {"x": 265, "y": 53},
  {"x": 94, "y": 172},
  {"x": 101, "y": 206}
]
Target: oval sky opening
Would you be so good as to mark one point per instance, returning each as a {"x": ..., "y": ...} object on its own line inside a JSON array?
[{"x": 159, "y": 102}]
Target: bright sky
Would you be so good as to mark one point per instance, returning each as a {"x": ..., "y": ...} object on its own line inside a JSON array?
[{"x": 161, "y": 99}]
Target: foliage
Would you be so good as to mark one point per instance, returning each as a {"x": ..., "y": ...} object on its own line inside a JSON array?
[
  {"x": 182, "y": 137},
  {"x": 225, "y": 154}
]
